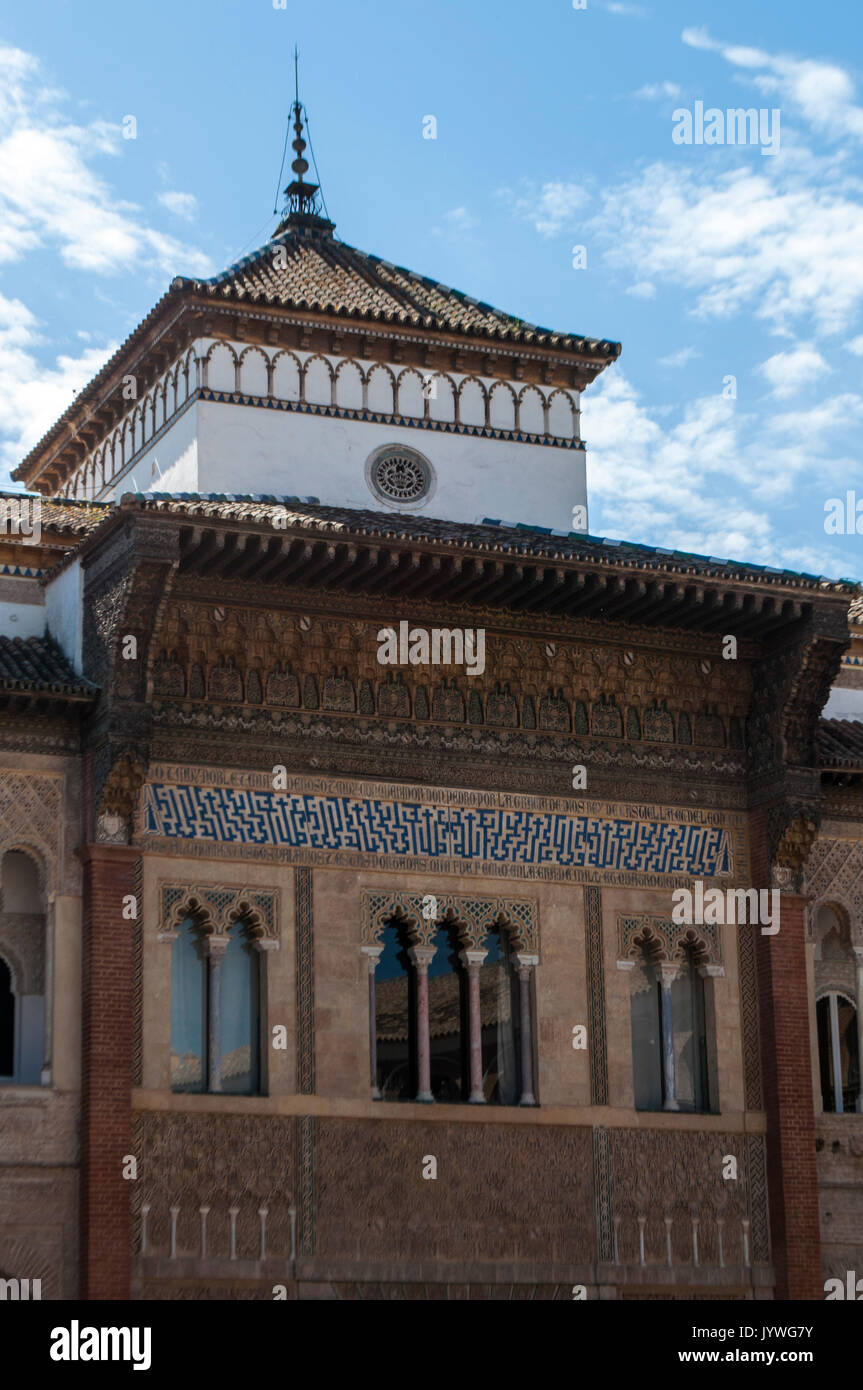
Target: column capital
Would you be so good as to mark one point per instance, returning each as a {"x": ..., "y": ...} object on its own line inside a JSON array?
[
  {"x": 372, "y": 955},
  {"x": 472, "y": 959},
  {"x": 215, "y": 945},
  {"x": 265, "y": 943},
  {"x": 668, "y": 971},
  {"x": 422, "y": 956}
]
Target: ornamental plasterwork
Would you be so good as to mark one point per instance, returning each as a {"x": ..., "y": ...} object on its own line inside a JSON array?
[
  {"x": 668, "y": 941},
  {"x": 834, "y": 874},
  {"x": 424, "y": 914},
  {"x": 216, "y": 907}
]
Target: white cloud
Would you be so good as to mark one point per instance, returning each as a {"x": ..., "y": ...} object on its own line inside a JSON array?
[
  {"x": 642, "y": 289},
  {"x": 553, "y": 207},
  {"x": 33, "y": 395},
  {"x": 856, "y": 345},
  {"x": 711, "y": 479},
  {"x": 822, "y": 92},
  {"x": 624, "y": 7},
  {"x": 788, "y": 372},
  {"x": 653, "y": 90},
  {"x": 183, "y": 205},
  {"x": 765, "y": 241},
  {"x": 50, "y": 195},
  {"x": 679, "y": 358}
]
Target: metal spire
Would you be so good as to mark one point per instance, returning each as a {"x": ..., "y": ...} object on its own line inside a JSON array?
[{"x": 303, "y": 199}]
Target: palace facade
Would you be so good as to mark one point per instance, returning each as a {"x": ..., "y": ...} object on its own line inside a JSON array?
[{"x": 328, "y": 978}]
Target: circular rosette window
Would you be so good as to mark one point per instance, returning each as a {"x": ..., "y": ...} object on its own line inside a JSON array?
[{"x": 400, "y": 477}]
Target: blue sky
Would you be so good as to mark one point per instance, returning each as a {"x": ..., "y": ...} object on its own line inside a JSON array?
[{"x": 554, "y": 130}]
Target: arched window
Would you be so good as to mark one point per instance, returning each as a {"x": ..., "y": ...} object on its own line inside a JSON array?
[
  {"x": 450, "y": 1014},
  {"x": 669, "y": 1035},
  {"x": 838, "y": 1055},
  {"x": 215, "y": 1011},
  {"x": 22, "y": 972},
  {"x": 836, "y": 1011}
]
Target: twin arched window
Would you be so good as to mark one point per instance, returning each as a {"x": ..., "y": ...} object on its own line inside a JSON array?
[
  {"x": 215, "y": 1011},
  {"x": 669, "y": 1034}
]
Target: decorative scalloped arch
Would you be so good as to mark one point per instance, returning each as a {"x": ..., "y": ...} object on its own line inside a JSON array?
[
  {"x": 530, "y": 418},
  {"x": 350, "y": 384},
  {"x": 472, "y": 401},
  {"x": 442, "y": 397},
  {"x": 381, "y": 389},
  {"x": 220, "y": 367},
  {"x": 562, "y": 414},
  {"x": 410, "y": 397},
  {"x": 255, "y": 372},
  {"x": 474, "y": 916},
  {"x": 217, "y": 906},
  {"x": 502, "y": 405}
]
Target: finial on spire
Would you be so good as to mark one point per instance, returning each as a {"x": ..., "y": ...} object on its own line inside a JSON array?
[{"x": 304, "y": 199}]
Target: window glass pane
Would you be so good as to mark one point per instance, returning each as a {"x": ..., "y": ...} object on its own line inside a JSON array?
[
  {"x": 690, "y": 1043},
  {"x": 646, "y": 1034},
  {"x": 447, "y": 1020},
  {"x": 394, "y": 1019},
  {"x": 848, "y": 1057},
  {"x": 499, "y": 1010},
  {"x": 7, "y": 1022},
  {"x": 240, "y": 1015},
  {"x": 188, "y": 1004},
  {"x": 825, "y": 1066}
]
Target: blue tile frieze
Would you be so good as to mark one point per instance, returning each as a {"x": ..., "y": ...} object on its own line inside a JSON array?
[{"x": 533, "y": 841}]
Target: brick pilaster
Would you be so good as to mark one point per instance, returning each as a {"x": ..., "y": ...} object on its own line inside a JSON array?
[
  {"x": 106, "y": 1071},
  {"x": 787, "y": 1078}
]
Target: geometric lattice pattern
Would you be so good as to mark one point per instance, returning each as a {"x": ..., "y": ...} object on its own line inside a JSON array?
[
  {"x": 218, "y": 906},
  {"x": 31, "y": 816},
  {"x": 668, "y": 938},
  {"x": 476, "y": 916},
  {"x": 235, "y": 815},
  {"x": 834, "y": 872}
]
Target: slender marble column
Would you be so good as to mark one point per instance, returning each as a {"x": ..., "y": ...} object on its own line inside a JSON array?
[
  {"x": 668, "y": 974},
  {"x": 525, "y": 965},
  {"x": 422, "y": 957},
  {"x": 838, "y": 1102},
  {"x": 858, "y": 960},
  {"x": 473, "y": 960},
  {"x": 373, "y": 955},
  {"x": 216, "y": 946}
]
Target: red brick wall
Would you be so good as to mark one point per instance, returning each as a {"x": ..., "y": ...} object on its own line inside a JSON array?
[
  {"x": 106, "y": 1079},
  {"x": 787, "y": 1078}
]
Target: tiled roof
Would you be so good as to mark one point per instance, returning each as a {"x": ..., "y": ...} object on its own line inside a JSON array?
[
  {"x": 488, "y": 536},
  {"x": 64, "y": 516},
  {"x": 36, "y": 664},
  {"x": 325, "y": 275},
  {"x": 855, "y": 612},
  {"x": 840, "y": 743}
]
